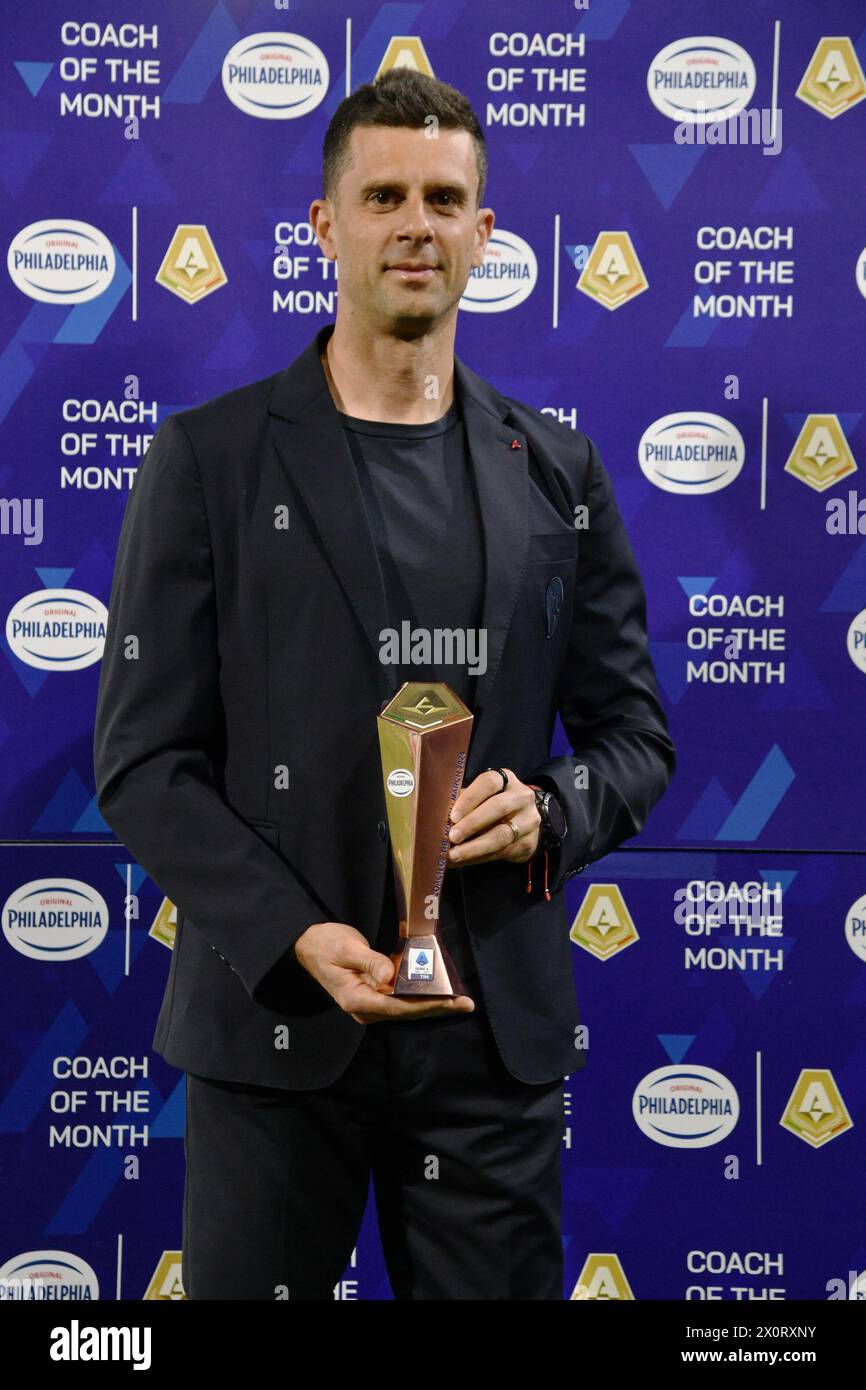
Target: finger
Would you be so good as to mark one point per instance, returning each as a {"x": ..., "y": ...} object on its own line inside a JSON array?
[
  {"x": 367, "y": 1006},
  {"x": 418, "y": 1008},
  {"x": 485, "y": 785},
  {"x": 513, "y": 854},
  {"x": 414, "y": 1010},
  {"x": 426, "y": 1008},
  {"x": 470, "y": 797},
  {"x": 502, "y": 806},
  {"x": 357, "y": 956},
  {"x": 496, "y": 841}
]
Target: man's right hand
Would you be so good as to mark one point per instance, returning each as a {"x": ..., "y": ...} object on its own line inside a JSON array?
[{"x": 358, "y": 978}]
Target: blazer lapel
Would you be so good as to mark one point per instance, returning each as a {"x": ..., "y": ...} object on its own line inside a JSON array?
[
  {"x": 501, "y": 475},
  {"x": 313, "y": 450}
]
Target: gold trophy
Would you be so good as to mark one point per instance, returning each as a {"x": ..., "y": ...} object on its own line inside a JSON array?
[{"x": 423, "y": 738}]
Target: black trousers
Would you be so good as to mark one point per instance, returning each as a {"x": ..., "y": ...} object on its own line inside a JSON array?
[{"x": 465, "y": 1161}]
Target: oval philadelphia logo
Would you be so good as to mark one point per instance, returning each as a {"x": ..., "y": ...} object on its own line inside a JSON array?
[
  {"x": 276, "y": 77},
  {"x": 857, "y": 640},
  {"x": 61, "y": 262},
  {"x": 57, "y": 629},
  {"x": 693, "y": 451},
  {"x": 855, "y": 927},
  {"x": 55, "y": 919},
  {"x": 701, "y": 80},
  {"x": 506, "y": 277},
  {"x": 48, "y": 1274},
  {"x": 401, "y": 782},
  {"x": 685, "y": 1107}
]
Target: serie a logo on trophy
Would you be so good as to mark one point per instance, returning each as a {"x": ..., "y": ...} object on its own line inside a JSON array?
[{"x": 424, "y": 739}]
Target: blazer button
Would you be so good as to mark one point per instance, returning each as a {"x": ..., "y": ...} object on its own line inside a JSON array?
[{"x": 382, "y": 829}]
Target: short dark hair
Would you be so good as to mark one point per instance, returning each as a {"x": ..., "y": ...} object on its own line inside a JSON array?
[{"x": 400, "y": 97}]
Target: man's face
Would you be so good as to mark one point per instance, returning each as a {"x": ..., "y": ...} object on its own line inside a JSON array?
[{"x": 404, "y": 200}]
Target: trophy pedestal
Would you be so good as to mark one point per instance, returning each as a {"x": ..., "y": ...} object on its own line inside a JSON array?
[{"x": 423, "y": 967}]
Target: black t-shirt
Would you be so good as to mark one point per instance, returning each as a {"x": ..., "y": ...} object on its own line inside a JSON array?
[{"x": 422, "y": 508}]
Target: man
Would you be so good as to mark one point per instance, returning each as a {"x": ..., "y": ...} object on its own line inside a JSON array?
[{"x": 275, "y": 540}]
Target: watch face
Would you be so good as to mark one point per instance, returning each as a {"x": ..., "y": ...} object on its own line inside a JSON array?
[{"x": 555, "y": 817}]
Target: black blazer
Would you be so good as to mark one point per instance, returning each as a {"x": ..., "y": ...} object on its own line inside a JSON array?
[{"x": 242, "y": 652}]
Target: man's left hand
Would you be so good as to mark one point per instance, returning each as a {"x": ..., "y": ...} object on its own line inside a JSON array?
[{"x": 480, "y": 821}]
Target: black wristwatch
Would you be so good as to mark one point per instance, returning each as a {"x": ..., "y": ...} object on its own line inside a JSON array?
[{"x": 554, "y": 827}]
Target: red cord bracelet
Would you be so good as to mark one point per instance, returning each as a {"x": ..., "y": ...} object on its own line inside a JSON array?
[{"x": 529, "y": 876}]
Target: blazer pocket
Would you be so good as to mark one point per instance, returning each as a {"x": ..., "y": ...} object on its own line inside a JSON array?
[{"x": 553, "y": 546}]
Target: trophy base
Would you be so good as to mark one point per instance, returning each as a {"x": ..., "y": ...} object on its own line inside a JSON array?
[{"x": 424, "y": 968}]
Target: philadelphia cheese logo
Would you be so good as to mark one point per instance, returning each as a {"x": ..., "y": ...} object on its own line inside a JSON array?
[
  {"x": 685, "y": 1107},
  {"x": 57, "y": 629},
  {"x": 48, "y": 1274},
  {"x": 506, "y": 277},
  {"x": 692, "y": 451},
  {"x": 61, "y": 262},
  {"x": 55, "y": 919},
  {"x": 401, "y": 782},
  {"x": 276, "y": 77},
  {"x": 700, "y": 80},
  {"x": 855, "y": 927},
  {"x": 857, "y": 640}
]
